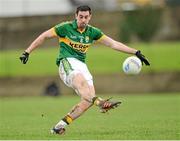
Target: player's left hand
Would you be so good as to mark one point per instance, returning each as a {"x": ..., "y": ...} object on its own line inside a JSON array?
[
  {"x": 24, "y": 57},
  {"x": 142, "y": 58}
]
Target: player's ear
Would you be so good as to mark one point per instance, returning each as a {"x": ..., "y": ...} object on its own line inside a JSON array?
[
  {"x": 76, "y": 15},
  {"x": 90, "y": 16}
]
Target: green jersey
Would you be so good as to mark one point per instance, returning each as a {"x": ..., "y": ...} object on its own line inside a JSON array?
[{"x": 74, "y": 43}]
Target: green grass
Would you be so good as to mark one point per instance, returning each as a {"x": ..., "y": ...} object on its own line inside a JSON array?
[
  {"x": 163, "y": 57},
  {"x": 149, "y": 116}
]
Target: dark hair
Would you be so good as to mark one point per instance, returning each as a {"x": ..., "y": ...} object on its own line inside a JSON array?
[{"x": 83, "y": 8}]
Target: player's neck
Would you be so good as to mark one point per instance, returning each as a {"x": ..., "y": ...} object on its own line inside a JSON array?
[{"x": 81, "y": 29}]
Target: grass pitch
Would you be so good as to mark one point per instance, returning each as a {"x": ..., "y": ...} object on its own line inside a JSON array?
[{"x": 149, "y": 116}]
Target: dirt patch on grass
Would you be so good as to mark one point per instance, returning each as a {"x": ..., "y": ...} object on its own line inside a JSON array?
[{"x": 114, "y": 83}]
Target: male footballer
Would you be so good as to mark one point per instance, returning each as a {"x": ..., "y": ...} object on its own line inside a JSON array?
[{"x": 75, "y": 38}]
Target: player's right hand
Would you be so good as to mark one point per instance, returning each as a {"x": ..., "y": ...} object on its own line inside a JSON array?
[{"x": 24, "y": 57}]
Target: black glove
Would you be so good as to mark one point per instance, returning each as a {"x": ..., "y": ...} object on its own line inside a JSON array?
[
  {"x": 24, "y": 57},
  {"x": 142, "y": 58}
]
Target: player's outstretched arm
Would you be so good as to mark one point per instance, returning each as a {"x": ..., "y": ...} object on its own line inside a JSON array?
[
  {"x": 123, "y": 48},
  {"x": 117, "y": 45},
  {"x": 36, "y": 43}
]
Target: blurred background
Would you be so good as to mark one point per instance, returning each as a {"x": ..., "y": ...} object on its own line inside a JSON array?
[
  {"x": 33, "y": 94},
  {"x": 152, "y": 26}
]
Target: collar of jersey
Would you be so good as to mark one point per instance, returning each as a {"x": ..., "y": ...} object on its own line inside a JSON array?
[{"x": 74, "y": 24}]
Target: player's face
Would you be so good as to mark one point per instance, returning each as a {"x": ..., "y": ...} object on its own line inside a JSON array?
[{"x": 83, "y": 18}]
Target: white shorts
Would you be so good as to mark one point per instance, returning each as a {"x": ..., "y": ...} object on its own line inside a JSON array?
[{"x": 69, "y": 67}]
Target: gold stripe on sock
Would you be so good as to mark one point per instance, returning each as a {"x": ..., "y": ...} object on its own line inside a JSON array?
[{"x": 69, "y": 119}]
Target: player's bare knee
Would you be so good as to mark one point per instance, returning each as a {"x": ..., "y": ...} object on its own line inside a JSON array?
[
  {"x": 80, "y": 83},
  {"x": 81, "y": 86}
]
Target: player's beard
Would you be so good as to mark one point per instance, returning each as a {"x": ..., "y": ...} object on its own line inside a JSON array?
[{"x": 83, "y": 25}]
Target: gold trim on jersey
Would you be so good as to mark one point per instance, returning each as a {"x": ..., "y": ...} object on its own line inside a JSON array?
[
  {"x": 81, "y": 31},
  {"x": 101, "y": 37},
  {"x": 75, "y": 45},
  {"x": 53, "y": 31}
]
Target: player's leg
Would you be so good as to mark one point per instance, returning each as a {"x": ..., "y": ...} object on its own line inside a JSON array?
[
  {"x": 83, "y": 87},
  {"x": 82, "y": 83},
  {"x": 86, "y": 90},
  {"x": 86, "y": 93},
  {"x": 76, "y": 112}
]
